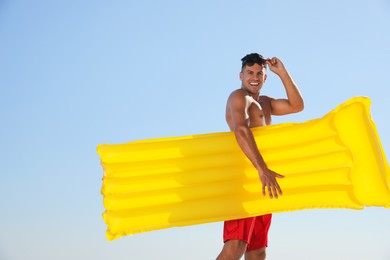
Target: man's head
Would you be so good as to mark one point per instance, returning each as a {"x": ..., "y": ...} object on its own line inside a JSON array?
[
  {"x": 251, "y": 59},
  {"x": 253, "y": 73}
]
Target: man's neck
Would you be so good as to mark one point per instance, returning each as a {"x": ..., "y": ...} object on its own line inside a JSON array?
[{"x": 255, "y": 96}]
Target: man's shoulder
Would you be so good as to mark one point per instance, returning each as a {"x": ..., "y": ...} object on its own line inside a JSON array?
[
  {"x": 265, "y": 98},
  {"x": 238, "y": 93}
]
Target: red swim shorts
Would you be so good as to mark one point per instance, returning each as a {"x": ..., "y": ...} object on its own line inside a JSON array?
[{"x": 253, "y": 231}]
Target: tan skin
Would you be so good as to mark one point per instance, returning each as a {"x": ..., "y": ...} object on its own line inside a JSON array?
[{"x": 246, "y": 109}]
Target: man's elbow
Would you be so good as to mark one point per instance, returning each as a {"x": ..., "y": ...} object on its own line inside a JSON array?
[
  {"x": 298, "y": 107},
  {"x": 241, "y": 130}
]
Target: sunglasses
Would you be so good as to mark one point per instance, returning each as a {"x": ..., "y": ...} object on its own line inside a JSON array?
[{"x": 252, "y": 62}]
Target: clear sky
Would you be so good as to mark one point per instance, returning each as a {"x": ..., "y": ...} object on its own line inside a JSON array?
[{"x": 74, "y": 74}]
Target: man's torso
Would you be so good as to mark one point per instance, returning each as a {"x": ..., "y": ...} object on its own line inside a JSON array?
[{"x": 257, "y": 112}]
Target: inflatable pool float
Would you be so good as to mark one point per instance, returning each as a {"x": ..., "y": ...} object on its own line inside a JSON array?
[{"x": 336, "y": 161}]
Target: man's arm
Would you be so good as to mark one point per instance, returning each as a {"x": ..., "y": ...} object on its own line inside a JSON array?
[
  {"x": 294, "y": 102},
  {"x": 245, "y": 139}
]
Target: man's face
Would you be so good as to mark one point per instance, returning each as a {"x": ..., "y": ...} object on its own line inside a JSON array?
[{"x": 253, "y": 78}]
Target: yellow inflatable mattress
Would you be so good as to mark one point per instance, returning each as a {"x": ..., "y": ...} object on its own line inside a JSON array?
[{"x": 333, "y": 162}]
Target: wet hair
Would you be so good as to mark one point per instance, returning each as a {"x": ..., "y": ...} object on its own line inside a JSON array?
[{"x": 253, "y": 58}]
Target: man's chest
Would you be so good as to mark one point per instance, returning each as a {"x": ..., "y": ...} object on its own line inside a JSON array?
[{"x": 256, "y": 115}]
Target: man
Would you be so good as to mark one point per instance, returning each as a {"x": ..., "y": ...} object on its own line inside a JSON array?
[{"x": 246, "y": 109}]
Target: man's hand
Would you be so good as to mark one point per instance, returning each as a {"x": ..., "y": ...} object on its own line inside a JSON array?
[
  {"x": 268, "y": 179},
  {"x": 276, "y": 65}
]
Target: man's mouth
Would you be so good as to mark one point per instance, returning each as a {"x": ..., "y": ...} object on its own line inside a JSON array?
[{"x": 255, "y": 84}]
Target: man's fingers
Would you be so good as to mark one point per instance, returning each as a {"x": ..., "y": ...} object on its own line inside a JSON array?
[
  {"x": 270, "y": 192},
  {"x": 277, "y": 175},
  {"x": 270, "y": 185},
  {"x": 272, "y": 60},
  {"x": 279, "y": 189},
  {"x": 275, "y": 192}
]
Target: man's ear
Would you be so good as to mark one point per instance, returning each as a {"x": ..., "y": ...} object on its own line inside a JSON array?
[
  {"x": 241, "y": 75},
  {"x": 265, "y": 77}
]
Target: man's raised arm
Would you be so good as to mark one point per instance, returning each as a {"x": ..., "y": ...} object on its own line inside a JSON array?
[{"x": 294, "y": 102}]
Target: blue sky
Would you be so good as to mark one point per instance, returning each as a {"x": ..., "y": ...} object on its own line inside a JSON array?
[{"x": 78, "y": 73}]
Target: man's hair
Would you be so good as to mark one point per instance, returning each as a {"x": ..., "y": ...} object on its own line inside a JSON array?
[{"x": 253, "y": 58}]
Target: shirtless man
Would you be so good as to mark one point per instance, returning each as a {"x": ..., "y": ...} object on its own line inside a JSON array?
[{"x": 246, "y": 109}]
